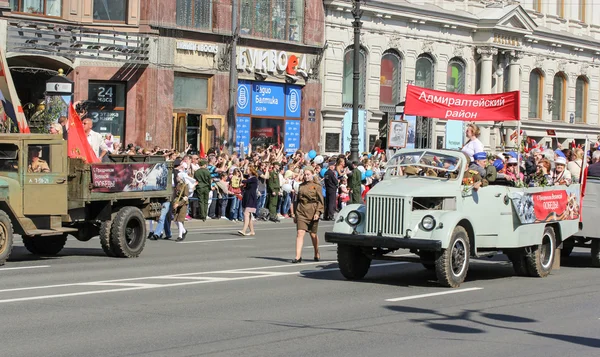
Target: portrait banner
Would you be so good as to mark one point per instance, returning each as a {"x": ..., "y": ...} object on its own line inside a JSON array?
[
  {"x": 466, "y": 107},
  {"x": 397, "y": 134},
  {"x": 548, "y": 206},
  {"x": 129, "y": 177}
]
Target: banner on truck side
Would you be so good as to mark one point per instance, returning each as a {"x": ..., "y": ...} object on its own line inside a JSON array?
[
  {"x": 466, "y": 107},
  {"x": 548, "y": 206},
  {"x": 129, "y": 177}
]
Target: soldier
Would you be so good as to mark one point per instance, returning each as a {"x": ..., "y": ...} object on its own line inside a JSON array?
[
  {"x": 473, "y": 178},
  {"x": 180, "y": 205},
  {"x": 486, "y": 171},
  {"x": 273, "y": 190},
  {"x": 202, "y": 175},
  {"x": 36, "y": 164},
  {"x": 355, "y": 183},
  {"x": 309, "y": 207}
]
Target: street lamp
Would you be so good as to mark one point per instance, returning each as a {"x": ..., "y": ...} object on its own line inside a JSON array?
[{"x": 357, "y": 13}]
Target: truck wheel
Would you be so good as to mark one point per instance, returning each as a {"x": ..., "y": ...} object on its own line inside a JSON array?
[
  {"x": 47, "y": 245},
  {"x": 354, "y": 264},
  {"x": 128, "y": 232},
  {"x": 541, "y": 258},
  {"x": 596, "y": 253},
  {"x": 6, "y": 237},
  {"x": 428, "y": 260},
  {"x": 107, "y": 246},
  {"x": 452, "y": 264},
  {"x": 518, "y": 261}
]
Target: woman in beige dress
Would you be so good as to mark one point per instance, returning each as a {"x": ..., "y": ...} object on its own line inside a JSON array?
[{"x": 309, "y": 206}]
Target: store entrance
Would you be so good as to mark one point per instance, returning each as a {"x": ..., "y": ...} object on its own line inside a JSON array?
[{"x": 187, "y": 131}]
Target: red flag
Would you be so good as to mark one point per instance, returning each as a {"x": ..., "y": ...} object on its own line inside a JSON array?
[
  {"x": 77, "y": 144},
  {"x": 202, "y": 153}
]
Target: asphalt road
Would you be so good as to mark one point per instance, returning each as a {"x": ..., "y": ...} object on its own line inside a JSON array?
[{"x": 220, "y": 294}]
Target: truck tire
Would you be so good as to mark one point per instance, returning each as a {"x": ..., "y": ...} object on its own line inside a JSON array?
[
  {"x": 428, "y": 260},
  {"x": 595, "y": 253},
  {"x": 518, "y": 261},
  {"x": 354, "y": 264},
  {"x": 541, "y": 258},
  {"x": 105, "y": 243},
  {"x": 128, "y": 232},
  {"x": 452, "y": 264},
  {"x": 46, "y": 246},
  {"x": 6, "y": 237}
]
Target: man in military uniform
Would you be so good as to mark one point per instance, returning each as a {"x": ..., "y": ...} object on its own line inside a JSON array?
[
  {"x": 202, "y": 175},
  {"x": 473, "y": 178},
  {"x": 273, "y": 189},
  {"x": 354, "y": 182},
  {"x": 486, "y": 171},
  {"x": 36, "y": 164}
]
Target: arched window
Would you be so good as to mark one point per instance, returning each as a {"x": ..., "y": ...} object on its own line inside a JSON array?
[
  {"x": 536, "y": 81},
  {"x": 349, "y": 73},
  {"x": 581, "y": 99},
  {"x": 559, "y": 91},
  {"x": 424, "y": 71},
  {"x": 456, "y": 76},
  {"x": 389, "y": 85}
]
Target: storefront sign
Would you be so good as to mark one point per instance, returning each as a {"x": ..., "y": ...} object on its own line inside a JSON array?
[
  {"x": 548, "y": 206},
  {"x": 244, "y": 97},
  {"x": 197, "y": 47},
  {"x": 454, "y": 135},
  {"x": 242, "y": 131},
  {"x": 272, "y": 61},
  {"x": 312, "y": 115},
  {"x": 103, "y": 94},
  {"x": 268, "y": 99},
  {"x": 467, "y": 107},
  {"x": 292, "y": 136},
  {"x": 293, "y": 99},
  {"x": 129, "y": 177}
]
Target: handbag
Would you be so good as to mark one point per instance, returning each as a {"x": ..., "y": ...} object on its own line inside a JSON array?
[{"x": 176, "y": 204}]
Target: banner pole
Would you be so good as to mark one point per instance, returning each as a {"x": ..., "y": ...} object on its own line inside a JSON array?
[{"x": 518, "y": 149}]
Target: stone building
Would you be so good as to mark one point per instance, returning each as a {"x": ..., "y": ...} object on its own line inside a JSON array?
[
  {"x": 157, "y": 72},
  {"x": 548, "y": 50}
]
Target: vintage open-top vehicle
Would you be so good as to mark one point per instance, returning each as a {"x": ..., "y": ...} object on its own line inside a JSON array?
[{"x": 426, "y": 204}]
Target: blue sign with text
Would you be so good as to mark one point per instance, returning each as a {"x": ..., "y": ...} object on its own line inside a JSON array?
[
  {"x": 244, "y": 97},
  {"x": 268, "y": 99},
  {"x": 242, "y": 132},
  {"x": 292, "y": 136},
  {"x": 293, "y": 99},
  {"x": 454, "y": 135},
  {"x": 347, "y": 126}
]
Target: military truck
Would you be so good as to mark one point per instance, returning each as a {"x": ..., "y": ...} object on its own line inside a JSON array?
[
  {"x": 428, "y": 205},
  {"x": 45, "y": 196}
]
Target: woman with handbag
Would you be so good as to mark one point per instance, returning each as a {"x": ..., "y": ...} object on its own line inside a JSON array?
[{"x": 180, "y": 205}]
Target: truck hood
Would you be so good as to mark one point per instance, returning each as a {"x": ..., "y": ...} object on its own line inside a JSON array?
[{"x": 415, "y": 186}]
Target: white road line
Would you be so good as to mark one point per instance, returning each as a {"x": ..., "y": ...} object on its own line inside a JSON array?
[
  {"x": 225, "y": 229},
  {"x": 132, "y": 285},
  {"x": 23, "y": 268},
  {"x": 433, "y": 294},
  {"x": 213, "y": 240},
  {"x": 321, "y": 246}
]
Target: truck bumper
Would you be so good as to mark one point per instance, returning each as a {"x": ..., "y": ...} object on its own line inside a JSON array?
[{"x": 383, "y": 242}]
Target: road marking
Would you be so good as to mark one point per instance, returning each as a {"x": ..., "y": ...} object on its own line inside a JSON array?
[
  {"x": 432, "y": 294},
  {"x": 321, "y": 246},
  {"x": 254, "y": 273},
  {"x": 214, "y": 240},
  {"x": 23, "y": 268}
]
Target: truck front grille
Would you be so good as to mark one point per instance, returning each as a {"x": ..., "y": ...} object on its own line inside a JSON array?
[{"x": 385, "y": 216}]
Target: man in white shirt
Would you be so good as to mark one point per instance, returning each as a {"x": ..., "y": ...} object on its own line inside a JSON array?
[{"x": 95, "y": 139}]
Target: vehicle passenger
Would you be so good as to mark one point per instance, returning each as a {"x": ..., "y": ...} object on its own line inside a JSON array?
[
  {"x": 36, "y": 164},
  {"x": 560, "y": 175},
  {"x": 473, "y": 145},
  {"x": 472, "y": 178},
  {"x": 511, "y": 170}
]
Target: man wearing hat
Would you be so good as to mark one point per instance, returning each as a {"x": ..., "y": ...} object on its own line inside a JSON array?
[
  {"x": 202, "y": 175},
  {"x": 487, "y": 172},
  {"x": 331, "y": 187},
  {"x": 355, "y": 181},
  {"x": 273, "y": 190},
  {"x": 36, "y": 164},
  {"x": 472, "y": 177}
]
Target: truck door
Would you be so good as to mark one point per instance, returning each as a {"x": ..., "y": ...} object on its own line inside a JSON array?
[{"x": 44, "y": 178}]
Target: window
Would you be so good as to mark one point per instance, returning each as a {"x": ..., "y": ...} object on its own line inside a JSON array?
[
  {"x": 193, "y": 131},
  {"x": 9, "y": 157},
  {"x": 275, "y": 19},
  {"x": 389, "y": 84},
  {"x": 537, "y": 5},
  {"x": 38, "y": 7},
  {"x": 110, "y": 10},
  {"x": 424, "y": 72},
  {"x": 108, "y": 109},
  {"x": 194, "y": 13},
  {"x": 190, "y": 93},
  {"x": 581, "y": 99},
  {"x": 456, "y": 76},
  {"x": 38, "y": 159},
  {"x": 348, "y": 78},
  {"x": 535, "y": 94},
  {"x": 559, "y": 90},
  {"x": 560, "y": 8}
]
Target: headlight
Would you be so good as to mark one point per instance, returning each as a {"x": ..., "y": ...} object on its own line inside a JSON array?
[
  {"x": 428, "y": 223},
  {"x": 353, "y": 218}
]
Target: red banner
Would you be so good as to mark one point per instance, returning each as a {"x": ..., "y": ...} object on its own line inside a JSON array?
[
  {"x": 467, "y": 107},
  {"x": 549, "y": 206},
  {"x": 77, "y": 145},
  {"x": 129, "y": 177}
]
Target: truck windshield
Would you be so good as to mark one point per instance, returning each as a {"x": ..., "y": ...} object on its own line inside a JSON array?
[
  {"x": 423, "y": 163},
  {"x": 9, "y": 157}
]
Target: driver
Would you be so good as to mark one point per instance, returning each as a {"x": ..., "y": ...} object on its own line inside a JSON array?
[{"x": 36, "y": 164}]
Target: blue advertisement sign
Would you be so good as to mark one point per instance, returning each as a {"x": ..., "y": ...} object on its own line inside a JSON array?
[
  {"x": 412, "y": 131},
  {"x": 454, "y": 134},
  {"x": 268, "y": 99},
  {"x": 347, "y": 127},
  {"x": 242, "y": 132},
  {"x": 293, "y": 99},
  {"x": 292, "y": 136},
  {"x": 244, "y": 97}
]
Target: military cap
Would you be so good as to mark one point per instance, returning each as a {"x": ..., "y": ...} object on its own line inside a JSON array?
[
  {"x": 411, "y": 171},
  {"x": 203, "y": 163},
  {"x": 480, "y": 156}
]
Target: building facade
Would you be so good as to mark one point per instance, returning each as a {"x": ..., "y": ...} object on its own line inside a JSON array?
[
  {"x": 548, "y": 50},
  {"x": 157, "y": 72}
]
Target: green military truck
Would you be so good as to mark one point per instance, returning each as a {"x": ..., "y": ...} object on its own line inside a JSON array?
[{"x": 45, "y": 196}]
